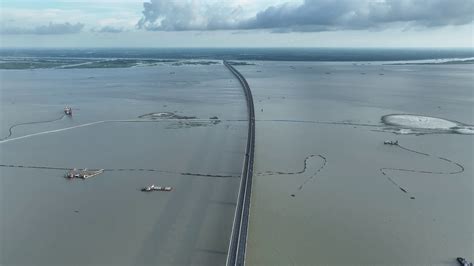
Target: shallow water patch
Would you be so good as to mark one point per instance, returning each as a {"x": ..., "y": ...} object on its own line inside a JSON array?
[
  {"x": 165, "y": 115},
  {"x": 418, "y": 124}
]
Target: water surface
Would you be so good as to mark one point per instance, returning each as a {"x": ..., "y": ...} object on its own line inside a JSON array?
[
  {"x": 47, "y": 219},
  {"x": 349, "y": 212}
]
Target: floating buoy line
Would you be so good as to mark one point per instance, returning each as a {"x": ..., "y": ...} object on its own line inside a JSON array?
[
  {"x": 394, "y": 123},
  {"x": 302, "y": 171},
  {"x": 391, "y": 179},
  {"x": 172, "y": 118},
  {"x": 10, "y": 129},
  {"x": 120, "y": 170}
]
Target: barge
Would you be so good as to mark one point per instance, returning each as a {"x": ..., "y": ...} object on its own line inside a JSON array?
[
  {"x": 156, "y": 188},
  {"x": 83, "y": 173}
]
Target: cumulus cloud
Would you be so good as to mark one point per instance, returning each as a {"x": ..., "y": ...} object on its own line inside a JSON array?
[
  {"x": 309, "y": 15},
  {"x": 49, "y": 29},
  {"x": 189, "y": 15}
]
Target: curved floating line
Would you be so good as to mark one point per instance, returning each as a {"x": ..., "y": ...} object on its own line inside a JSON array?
[
  {"x": 315, "y": 173},
  {"x": 10, "y": 130},
  {"x": 88, "y": 124},
  {"x": 305, "y": 166},
  {"x": 122, "y": 169},
  {"x": 53, "y": 131},
  {"x": 302, "y": 171},
  {"x": 404, "y": 190},
  {"x": 8, "y": 139}
]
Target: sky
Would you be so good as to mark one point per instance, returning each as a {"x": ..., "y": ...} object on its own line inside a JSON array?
[{"x": 237, "y": 23}]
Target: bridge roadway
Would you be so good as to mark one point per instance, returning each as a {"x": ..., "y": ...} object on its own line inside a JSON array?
[{"x": 238, "y": 240}]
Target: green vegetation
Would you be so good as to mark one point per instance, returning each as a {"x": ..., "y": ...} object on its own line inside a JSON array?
[
  {"x": 33, "y": 64},
  {"x": 28, "y": 63}
]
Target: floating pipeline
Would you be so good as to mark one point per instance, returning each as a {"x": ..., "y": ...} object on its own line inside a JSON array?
[
  {"x": 193, "y": 122},
  {"x": 302, "y": 171},
  {"x": 266, "y": 173},
  {"x": 122, "y": 169},
  {"x": 385, "y": 170},
  {"x": 314, "y": 175},
  {"x": 180, "y": 122},
  {"x": 10, "y": 130},
  {"x": 395, "y": 122}
]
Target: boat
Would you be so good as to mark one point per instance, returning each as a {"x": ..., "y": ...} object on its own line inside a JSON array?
[
  {"x": 390, "y": 142},
  {"x": 68, "y": 110},
  {"x": 148, "y": 188},
  {"x": 156, "y": 188},
  {"x": 71, "y": 173},
  {"x": 83, "y": 174},
  {"x": 463, "y": 262}
]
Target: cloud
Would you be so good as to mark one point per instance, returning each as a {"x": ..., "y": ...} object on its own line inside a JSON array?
[
  {"x": 323, "y": 15},
  {"x": 309, "y": 15},
  {"x": 109, "y": 29},
  {"x": 49, "y": 29},
  {"x": 189, "y": 15},
  {"x": 111, "y": 17}
]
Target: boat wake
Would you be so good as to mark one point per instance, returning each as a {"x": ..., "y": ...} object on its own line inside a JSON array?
[
  {"x": 9, "y": 139},
  {"x": 52, "y": 131}
]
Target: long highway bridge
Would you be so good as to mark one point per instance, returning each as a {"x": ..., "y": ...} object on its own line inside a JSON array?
[{"x": 238, "y": 239}]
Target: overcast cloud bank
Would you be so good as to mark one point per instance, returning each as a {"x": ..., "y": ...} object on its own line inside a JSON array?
[
  {"x": 109, "y": 29},
  {"x": 311, "y": 15},
  {"x": 50, "y": 29}
]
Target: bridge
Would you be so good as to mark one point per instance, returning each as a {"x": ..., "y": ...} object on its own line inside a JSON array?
[{"x": 238, "y": 239}]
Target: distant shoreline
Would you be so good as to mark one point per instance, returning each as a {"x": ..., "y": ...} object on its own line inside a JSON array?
[
  {"x": 248, "y": 54},
  {"x": 450, "y": 62},
  {"x": 29, "y": 63}
]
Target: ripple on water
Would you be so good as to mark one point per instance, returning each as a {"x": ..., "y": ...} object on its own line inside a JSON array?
[{"x": 426, "y": 124}]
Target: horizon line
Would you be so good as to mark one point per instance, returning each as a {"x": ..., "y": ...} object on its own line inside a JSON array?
[{"x": 234, "y": 47}]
